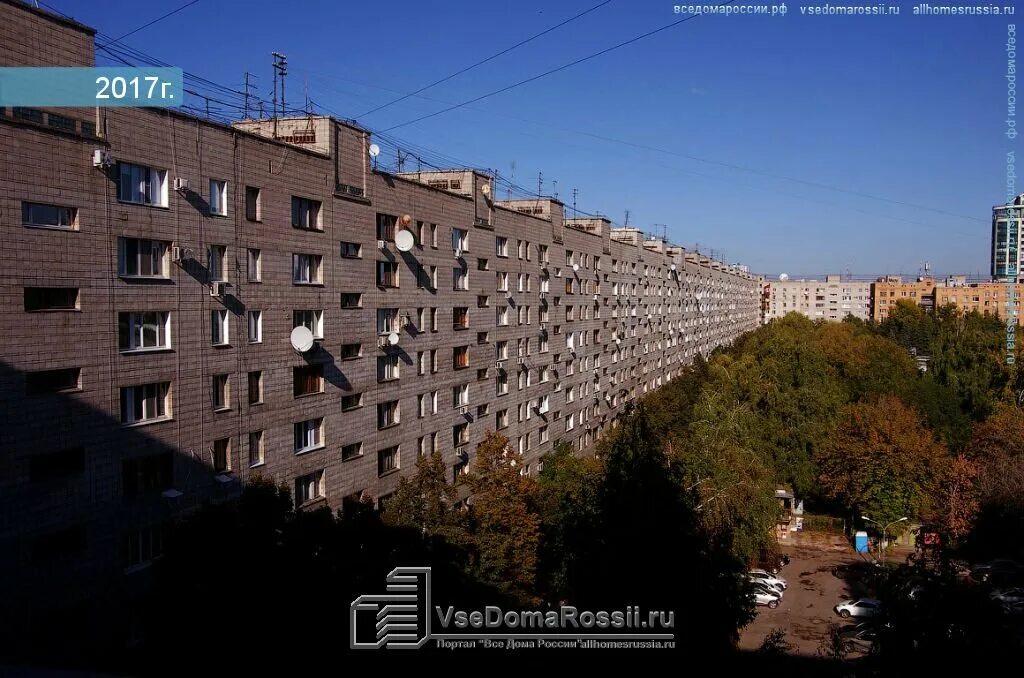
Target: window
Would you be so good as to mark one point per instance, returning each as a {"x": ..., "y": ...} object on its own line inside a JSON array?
[
  {"x": 351, "y": 351},
  {"x": 307, "y": 380},
  {"x": 39, "y": 215},
  {"x": 309, "y": 488},
  {"x": 501, "y": 246},
  {"x": 387, "y": 367},
  {"x": 388, "y": 460},
  {"x": 255, "y": 325},
  {"x": 460, "y": 278},
  {"x": 142, "y": 185},
  {"x": 502, "y": 281},
  {"x": 351, "y": 300},
  {"x": 460, "y": 241},
  {"x": 433, "y": 236},
  {"x": 55, "y": 465},
  {"x": 51, "y": 298},
  {"x": 138, "y": 258},
  {"x": 142, "y": 475},
  {"x": 145, "y": 402},
  {"x": 387, "y": 320},
  {"x": 53, "y": 381},
  {"x": 502, "y": 382},
  {"x": 460, "y": 357},
  {"x": 256, "y": 454},
  {"x": 309, "y": 435},
  {"x": 482, "y": 265},
  {"x": 351, "y": 451},
  {"x": 312, "y": 320},
  {"x": 144, "y": 546},
  {"x": 253, "y": 204},
  {"x": 460, "y": 395},
  {"x": 386, "y": 225},
  {"x": 570, "y": 423},
  {"x": 306, "y": 269},
  {"x": 218, "y": 197},
  {"x": 501, "y": 350},
  {"x": 306, "y": 214},
  {"x": 460, "y": 318},
  {"x": 219, "y": 327},
  {"x": 351, "y": 250},
  {"x": 501, "y": 419},
  {"x": 217, "y": 262},
  {"x": 221, "y": 397},
  {"x": 145, "y": 331},
  {"x": 460, "y": 435},
  {"x": 255, "y": 265},
  {"x": 433, "y": 320},
  {"x": 387, "y": 274},
  {"x": 482, "y": 337},
  {"x": 222, "y": 455},
  {"x": 543, "y": 434},
  {"x": 388, "y": 414},
  {"x": 255, "y": 387},
  {"x": 351, "y": 401},
  {"x": 433, "y": 361},
  {"x": 501, "y": 316}
]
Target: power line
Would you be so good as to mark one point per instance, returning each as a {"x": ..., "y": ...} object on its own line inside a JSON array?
[
  {"x": 484, "y": 61},
  {"x": 161, "y": 18},
  {"x": 553, "y": 70}
]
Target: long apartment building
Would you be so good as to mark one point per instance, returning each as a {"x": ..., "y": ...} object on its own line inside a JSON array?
[
  {"x": 831, "y": 299},
  {"x": 156, "y": 268}
]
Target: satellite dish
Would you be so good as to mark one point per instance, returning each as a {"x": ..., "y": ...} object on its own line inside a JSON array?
[
  {"x": 406, "y": 219},
  {"x": 404, "y": 241},
  {"x": 618, "y": 341},
  {"x": 486, "y": 189},
  {"x": 783, "y": 277},
  {"x": 575, "y": 267},
  {"x": 374, "y": 150},
  {"x": 302, "y": 339},
  {"x": 673, "y": 267},
  {"x": 393, "y": 338}
]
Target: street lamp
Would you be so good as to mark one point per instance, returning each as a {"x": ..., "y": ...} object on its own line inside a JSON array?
[{"x": 884, "y": 528}]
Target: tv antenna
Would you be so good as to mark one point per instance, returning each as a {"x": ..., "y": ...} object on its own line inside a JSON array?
[
  {"x": 249, "y": 86},
  {"x": 625, "y": 221},
  {"x": 280, "y": 70}
]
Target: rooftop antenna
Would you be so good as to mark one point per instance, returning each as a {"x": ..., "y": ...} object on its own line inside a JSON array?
[
  {"x": 400, "y": 160},
  {"x": 305, "y": 90},
  {"x": 664, "y": 232},
  {"x": 625, "y": 222},
  {"x": 511, "y": 180},
  {"x": 280, "y": 69},
  {"x": 575, "y": 191},
  {"x": 247, "y": 95},
  {"x": 554, "y": 188}
]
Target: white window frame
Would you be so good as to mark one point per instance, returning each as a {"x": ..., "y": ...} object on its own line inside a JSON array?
[
  {"x": 137, "y": 322},
  {"x": 316, "y": 324},
  {"x": 259, "y": 458},
  {"x": 255, "y": 264},
  {"x": 141, "y": 185},
  {"x": 139, "y": 397},
  {"x": 218, "y": 197},
  {"x": 217, "y": 262},
  {"x": 307, "y": 269},
  {"x": 220, "y": 327},
  {"x": 501, "y": 246},
  {"x": 158, "y": 259},
  {"x": 312, "y": 488},
  {"x": 255, "y": 326},
  {"x": 311, "y": 434}
]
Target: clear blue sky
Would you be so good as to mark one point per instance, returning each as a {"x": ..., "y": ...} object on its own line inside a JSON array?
[{"x": 908, "y": 108}]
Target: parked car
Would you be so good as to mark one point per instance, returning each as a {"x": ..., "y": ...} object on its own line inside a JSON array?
[
  {"x": 767, "y": 588},
  {"x": 763, "y": 597},
  {"x": 1002, "y": 569},
  {"x": 770, "y": 579},
  {"x": 863, "y": 607},
  {"x": 860, "y": 636}
]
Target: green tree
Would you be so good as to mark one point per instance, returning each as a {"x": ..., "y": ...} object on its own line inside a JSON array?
[
  {"x": 504, "y": 527},
  {"x": 883, "y": 460},
  {"x": 426, "y": 501}
]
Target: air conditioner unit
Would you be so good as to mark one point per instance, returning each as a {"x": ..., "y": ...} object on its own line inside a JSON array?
[
  {"x": 101, "y": 157},
  {"x": 461, "y": 451},
  {"x": 218, "y": 289},
  {"x": 176, "y": 254},
  {"x": 382, "y": 342},
  {"x": 180, "y": 185},
  {"x": 464, "y": 409},
  {"x": 382, "y": 244},
  {"x": 543, "y": 327},
  {"x": 522, "y": 361},
  {"x": 500, "y": 364},
  {"x": 458, "y": 253}
]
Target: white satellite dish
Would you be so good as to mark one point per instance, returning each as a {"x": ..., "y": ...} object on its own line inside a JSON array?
[
  {"x": 673, "y": 267},
  {"x": 302, "y": 339},
  {"x": 486, "y": 189},
  {"x": 393, "y": 338},
  {"x": 374, "y": 150},
  {"x": 618, "y": 341},
  {"x": 575, "y": 267},
  {"x": 783, "y": 277},
  {"x": 404, "y": 241}
]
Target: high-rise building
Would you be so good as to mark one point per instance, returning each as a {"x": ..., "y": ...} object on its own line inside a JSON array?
[
  {"x": 832, "y": 299},
  {"x": 187, "y": 304},
  {"x": 1006, "y": 228}
]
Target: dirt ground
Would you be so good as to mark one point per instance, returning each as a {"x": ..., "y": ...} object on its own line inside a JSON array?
[{"x": 806, "y": 608}]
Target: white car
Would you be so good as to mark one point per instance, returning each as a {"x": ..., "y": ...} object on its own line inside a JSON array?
[
  {"x": 763, "y": 597},
  {"x": 766, "y": 578},
  {"x": 863, "y": 607}
]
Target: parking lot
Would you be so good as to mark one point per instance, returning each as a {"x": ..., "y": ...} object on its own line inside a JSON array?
[{"x": 805, "y": 611}]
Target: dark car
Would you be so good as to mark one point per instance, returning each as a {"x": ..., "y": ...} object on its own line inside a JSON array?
[{"x": 860, "y": 636}]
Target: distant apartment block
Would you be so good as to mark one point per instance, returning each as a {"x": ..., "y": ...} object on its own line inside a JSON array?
[
  {"x": 888, "y": 290},
  {"x": 156, "y": 267},
  {"x": 1006, "y": 233},
  {"x": 832, "y": 299}
]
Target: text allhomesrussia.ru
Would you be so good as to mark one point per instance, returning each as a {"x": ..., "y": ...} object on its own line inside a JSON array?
[{"x": 564, "y": 617}]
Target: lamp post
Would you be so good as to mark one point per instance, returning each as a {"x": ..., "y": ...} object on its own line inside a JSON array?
[{"x": 884, "y": 528}]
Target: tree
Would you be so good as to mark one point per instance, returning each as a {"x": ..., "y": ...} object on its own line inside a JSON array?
[
  {"x": 957, "y": 500},
  {"x": 883, "y": 460},
  {"x": 504, "y": 528},
  {"x": 426, "y": 501}
]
